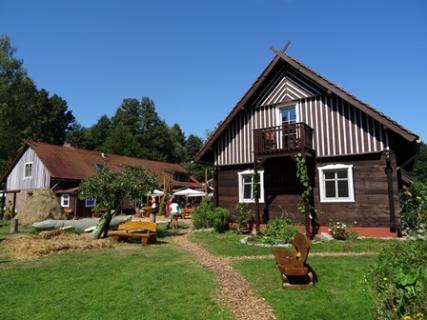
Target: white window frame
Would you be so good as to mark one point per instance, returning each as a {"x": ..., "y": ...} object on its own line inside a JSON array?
[
  {"x": 90, "y": 206},
  {"x": 25, "y": 170},
  {"x": 241, "y": 189},
  {"x": 65, "y": 200},
  {"x": 288, "y": 104},
  {"x": 322, "y": 187}
]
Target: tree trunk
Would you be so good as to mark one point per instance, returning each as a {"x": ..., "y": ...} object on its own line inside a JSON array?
[{"x": 103, "y": 225}]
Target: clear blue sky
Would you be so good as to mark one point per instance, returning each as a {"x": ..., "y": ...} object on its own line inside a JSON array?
[{"x": 195, "y": 59}]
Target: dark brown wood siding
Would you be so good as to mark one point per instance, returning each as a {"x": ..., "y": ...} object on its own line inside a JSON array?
[{"x": 370, "y": 208}]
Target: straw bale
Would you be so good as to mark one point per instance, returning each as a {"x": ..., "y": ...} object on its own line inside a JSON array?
[
  {"x": 41, "y": 206},
  {"x": 32, "y": 247}
]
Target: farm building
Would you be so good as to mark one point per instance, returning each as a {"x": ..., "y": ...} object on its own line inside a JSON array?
[
  {"x": 62, "y": 168},
  {"x": 357, "y": 158}
]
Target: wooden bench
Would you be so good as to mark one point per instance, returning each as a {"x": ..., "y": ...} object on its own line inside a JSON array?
[
  {"x": 146, "y": 231},
  {"x": 292, "y": 264}
]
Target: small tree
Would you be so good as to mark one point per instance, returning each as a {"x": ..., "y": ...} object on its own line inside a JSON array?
[{"x": 110, "y": 189}]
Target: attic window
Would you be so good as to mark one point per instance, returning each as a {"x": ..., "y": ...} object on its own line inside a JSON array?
[
  {"x": 99, "y": 167},
  {"x": 28, "y": 170}
]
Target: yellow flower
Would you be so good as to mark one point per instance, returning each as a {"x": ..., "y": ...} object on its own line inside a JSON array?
[
  {"x": 407, "y": 317},
  {"x": 385, "y": 278}
]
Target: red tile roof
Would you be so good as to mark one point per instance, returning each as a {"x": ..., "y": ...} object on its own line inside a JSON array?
[{"x": 67, "y": 162}]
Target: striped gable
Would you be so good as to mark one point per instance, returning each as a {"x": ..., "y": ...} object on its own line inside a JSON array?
[{"x": 287, "y": 86}]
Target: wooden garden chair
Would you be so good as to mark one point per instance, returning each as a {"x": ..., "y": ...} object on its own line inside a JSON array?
[{"x": 292, "y": 264}]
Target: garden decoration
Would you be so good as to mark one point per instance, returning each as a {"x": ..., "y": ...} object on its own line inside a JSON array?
[{"x": 292, "y": 264}]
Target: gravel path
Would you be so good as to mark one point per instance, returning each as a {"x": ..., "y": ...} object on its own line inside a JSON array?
[{"x": 235, "y": 291}]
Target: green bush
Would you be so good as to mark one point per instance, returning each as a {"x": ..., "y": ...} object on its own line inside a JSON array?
[
  {"x": 399, "y": 281},
  {"x": 243, "y": 216},
  {"x": 203, "y": 215},
  {"x": 279, "y": 231},
  {"x": 414, "y": 210},
  {"x": 221, "y": 217}
]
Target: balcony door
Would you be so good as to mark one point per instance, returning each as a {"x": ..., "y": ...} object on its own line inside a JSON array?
[{"x": 288, "y": 119}]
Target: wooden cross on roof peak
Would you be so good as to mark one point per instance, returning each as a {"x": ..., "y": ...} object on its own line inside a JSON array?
[{"x": 285, "y": 47}]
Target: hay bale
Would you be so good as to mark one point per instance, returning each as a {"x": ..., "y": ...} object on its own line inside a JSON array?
[
  {"x": 33, "y": 247},
  {"x": 50, "y": 234},
  {"x": 41, "y": 206}
]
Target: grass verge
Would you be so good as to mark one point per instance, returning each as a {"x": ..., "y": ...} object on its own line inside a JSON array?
[
  {"x": 339, "y": 294},
  {"x": 128, "y": 282}
]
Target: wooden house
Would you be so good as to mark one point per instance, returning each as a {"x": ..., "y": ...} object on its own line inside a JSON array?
[
  {"x": 62, "y": 168},
  {"x": 357, "y": 157}
]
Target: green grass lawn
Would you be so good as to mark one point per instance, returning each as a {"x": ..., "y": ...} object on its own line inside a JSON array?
[
  {"x": 228, "y": 244},
  {"x": 128, "y": 282},
  {"x": 339, "y": 294}
]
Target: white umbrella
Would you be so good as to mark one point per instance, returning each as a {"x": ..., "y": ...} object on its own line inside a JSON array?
[
  {"x": 189, "y": 193},
  {"x": 156, "y": 193}
]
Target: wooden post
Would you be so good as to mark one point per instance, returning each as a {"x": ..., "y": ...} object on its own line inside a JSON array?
[
  {"x": 216, "y": 173},
  {"x": 206, "y": 181},
  {"x": 389, "y": 171},
  {"x": 257, "y": 217},
  {"x": 14, "y": 203},
  {"x": 2, "y": 204},
  {"x": 14, "y": 225}
]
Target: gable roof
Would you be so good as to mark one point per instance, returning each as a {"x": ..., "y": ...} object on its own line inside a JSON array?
[
  {"x": 327, "y": 85},
  {"x": 69, "y": 163}
]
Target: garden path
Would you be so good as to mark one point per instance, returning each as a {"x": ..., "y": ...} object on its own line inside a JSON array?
[{"x": 235, "y": 291}]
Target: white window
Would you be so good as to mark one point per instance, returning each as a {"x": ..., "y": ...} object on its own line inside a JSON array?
[
  {"x": 65, "y": 200},
  {"x": 28, "y": 170},
  {"x": 90, "y": 203},
  {"x": 287, "y": 114},
  {"x": 336, "y": 183},
  {"x": 246, "y": 186}
]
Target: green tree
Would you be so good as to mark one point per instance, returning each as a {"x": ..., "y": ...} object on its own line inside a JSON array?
[
  {"x": 78, "y": 136},
  {"x": 178, "y": 142},
  {"x": 420, "y": 169},
  {"x": 99, "y": 132},
  {"x": 110, "y": 189},
  {"x": 192, "y": 146},
  {"x": 121, "y": 141}
]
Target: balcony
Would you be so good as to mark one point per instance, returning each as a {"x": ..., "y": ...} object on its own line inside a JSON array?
[{"x": 282, "y": 140}]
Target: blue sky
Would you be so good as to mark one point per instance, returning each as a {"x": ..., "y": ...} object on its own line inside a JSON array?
[{"x": 195, "y": 59}]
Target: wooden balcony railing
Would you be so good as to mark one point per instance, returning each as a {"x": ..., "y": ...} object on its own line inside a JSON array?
[{"x": 287, "y": 138}]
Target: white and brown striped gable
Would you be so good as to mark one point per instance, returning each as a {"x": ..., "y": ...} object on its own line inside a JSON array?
[{"x": 342, "y": 125}]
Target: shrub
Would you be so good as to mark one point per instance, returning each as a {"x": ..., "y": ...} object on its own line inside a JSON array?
[
  {"x": 399, "y": 281},
  {"x": 221, "y": 217},
  {"x": 279, "y": 231},
  {"x": 414, "y": 210},
  {"x": 340, "y": 231},
  {"x": 243, "y": 216},
  {"x": 203, "y": 215}
]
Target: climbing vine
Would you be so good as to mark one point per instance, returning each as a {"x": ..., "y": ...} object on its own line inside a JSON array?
[
  {"x": 256, "y": 186},
  {"x": 302, "y": 176}
]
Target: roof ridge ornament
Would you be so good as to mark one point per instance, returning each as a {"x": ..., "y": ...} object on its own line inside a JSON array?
[{"x": 283, "y": 51}]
